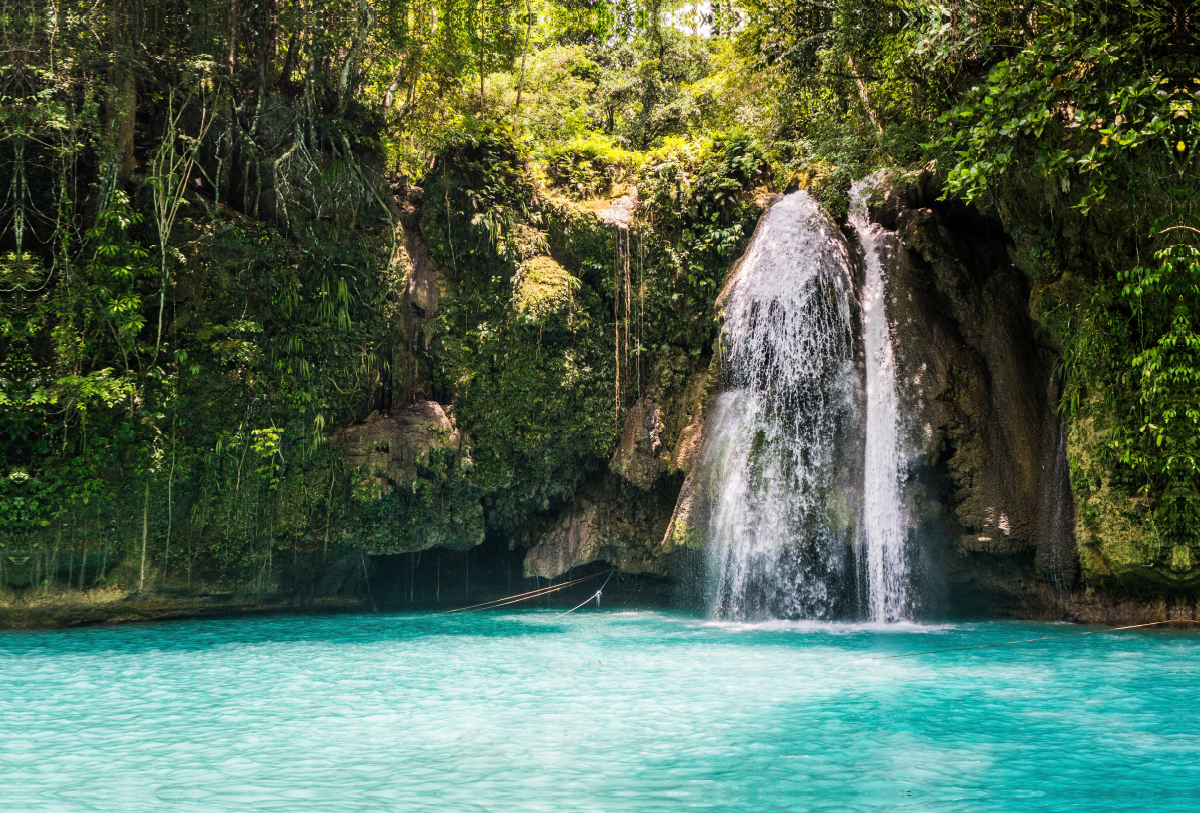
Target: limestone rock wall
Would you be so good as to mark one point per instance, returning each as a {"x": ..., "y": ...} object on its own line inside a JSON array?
[
  {"x": 622, "y": 515},
  {"x": 992, "y": 506},
  {"x": 977, "y": 379},
  {"x": 409, "y": 473},
  {"x": 386, "y": 450},
  {"x": 990, "y": 502}
]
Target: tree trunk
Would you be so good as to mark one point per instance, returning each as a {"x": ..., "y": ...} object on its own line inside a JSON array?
[
  {"x": 145, "y": 534},
  {"x": 121, "y": 104},
  {"x": 235, "y": 24},
  {"x": 170, "y": 509},
  {"x": 524, "y": 54},
  {"x": 863, "y": 96},
  {"x": 224, "y": 152},
  {"x": 125, "y": 117},
  {"x": 366, "y": 22},
  {"x": 482, "y": 42},
  {"x": 289, "y": 60}
]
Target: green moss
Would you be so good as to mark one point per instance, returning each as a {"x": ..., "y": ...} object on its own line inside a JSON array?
[
  {"x": 542, "y": 287},
  {"x": 1120, "y": 546}
]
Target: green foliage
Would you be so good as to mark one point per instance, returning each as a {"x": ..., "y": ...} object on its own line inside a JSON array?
[
  {"x": 590, "y": 167},
  {"x": 530, "y": 384},
  {"x": 558, "y": 81},
  {"x": 1090, "y": 87},
  {"x": 475, "y": 197},
  {"x": 1165, "y": 302},
  {"x": 845, "y": 89},
  {"x": 199, "y": 392},
  {"x": 115, "y": 269},
  {"x": 642, "y": 93},
  {"x": 1133, "y": 361},
  {"x": 698, "y": 201}
]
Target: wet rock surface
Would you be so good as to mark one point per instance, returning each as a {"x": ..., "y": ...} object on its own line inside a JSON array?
[
  {"x": 609, "y": 520},
  {"x": 977, "y": 381},
  {"x": 989, "y": 497},
  {"x": 622, "y": 515}
]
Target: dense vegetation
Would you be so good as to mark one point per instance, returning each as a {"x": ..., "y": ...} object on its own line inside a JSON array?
[{"x": 202, "y": 231}]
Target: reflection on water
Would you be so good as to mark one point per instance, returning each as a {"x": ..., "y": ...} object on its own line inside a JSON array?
[{"x": 596, "y": 711}]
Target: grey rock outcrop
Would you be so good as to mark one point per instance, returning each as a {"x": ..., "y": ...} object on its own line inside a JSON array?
[
  {"x": 604, "y": 522},
  {"x": 413, "y": 464},
  {"x": 622, "y": 515}
]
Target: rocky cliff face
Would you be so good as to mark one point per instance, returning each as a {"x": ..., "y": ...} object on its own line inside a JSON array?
[
  {"x": 625, "y": 515},
  {"x": 993, "y": 515},
  {"x": 417, "y": 451},
  {"x": 386, "y": 450},
  {"x": 1037, "y": 522},
  {"x": 990, "y": 503},
  {"x": 976, "y": 380},
  {"x": 413, "y": 454},
  {"x": 1124, "y": 550}
]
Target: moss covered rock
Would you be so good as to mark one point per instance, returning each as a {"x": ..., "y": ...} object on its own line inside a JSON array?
[
  {"x": 542, "y": 287},
  {"x": 1120, "y": 547}
]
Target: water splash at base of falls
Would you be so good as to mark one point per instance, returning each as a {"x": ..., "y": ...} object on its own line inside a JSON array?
[{"x": 793, "y": 476}]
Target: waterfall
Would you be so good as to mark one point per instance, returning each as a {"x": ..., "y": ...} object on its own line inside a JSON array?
[
  {"x": 884, "y": 524},
  {"x": 792, "y": 473},
  {"x": 779, "y": 519}
]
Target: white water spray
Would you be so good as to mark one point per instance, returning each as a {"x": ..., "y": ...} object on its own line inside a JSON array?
[
  {"x": 884, "y": 522},
  {"x": 778, "y": 525},
  {"x": 792, "y": 473}
]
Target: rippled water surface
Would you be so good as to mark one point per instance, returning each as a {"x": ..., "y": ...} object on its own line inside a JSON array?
[{"x": 595, "y": 711}]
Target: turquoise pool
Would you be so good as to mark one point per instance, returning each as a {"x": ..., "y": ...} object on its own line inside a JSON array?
[{"x": 595, "y": 711}]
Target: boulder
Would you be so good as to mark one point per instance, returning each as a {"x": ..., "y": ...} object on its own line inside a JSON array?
[
  {"x": 387, "y": 450},
  {"x": 637, "y": 455}
]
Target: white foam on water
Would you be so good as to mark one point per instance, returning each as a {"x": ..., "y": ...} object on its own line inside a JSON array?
[{"x": 830, "y": 627}]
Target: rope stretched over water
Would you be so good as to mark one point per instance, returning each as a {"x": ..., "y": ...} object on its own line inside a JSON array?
[
  {"x": 501, "y": 602},
  {"x": 595, "y": 595},
  {"x": 1026, "y": 640}
]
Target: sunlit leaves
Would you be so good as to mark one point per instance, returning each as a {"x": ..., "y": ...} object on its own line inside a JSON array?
[{"x": 1089, "y": 82}]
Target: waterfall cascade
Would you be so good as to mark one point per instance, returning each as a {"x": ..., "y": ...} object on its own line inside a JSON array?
[
  {"x": 884, "y": 525},
  {"x": 797, "y": 471}
]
